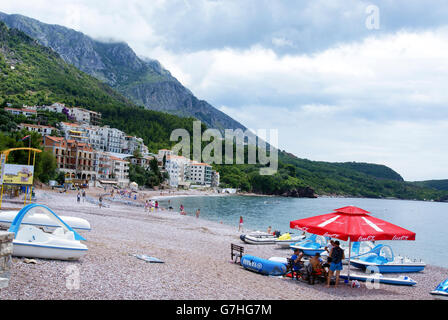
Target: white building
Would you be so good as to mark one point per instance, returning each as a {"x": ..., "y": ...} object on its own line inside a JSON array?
[
  {"x": 120, "y": 169},
  {"x": 55, "y": 107},
  {"x": 23, "y": 111},
  {"x": 177, "y": 168},
  {"x": 43, "y": 130},
  {"x": 132, "y": 143},
  {"x": 215, "y": 178},
  {"x": 199, "y": 173}
]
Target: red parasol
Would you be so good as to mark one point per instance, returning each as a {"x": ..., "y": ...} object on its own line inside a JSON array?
[{"x": 353, "y": 224}]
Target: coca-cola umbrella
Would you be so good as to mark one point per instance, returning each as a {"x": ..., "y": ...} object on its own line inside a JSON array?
[{"x": 352, "y": 224}]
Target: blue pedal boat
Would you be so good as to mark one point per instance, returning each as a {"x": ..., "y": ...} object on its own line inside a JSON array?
[
  {"x": 382, "y": 259},
  {"x": 441, "y": 292},
  {"x": 311, "y": 245}
]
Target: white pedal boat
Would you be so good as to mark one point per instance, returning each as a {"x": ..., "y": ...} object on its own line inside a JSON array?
[
  {"x": 63, "y": 243},
  {"x": 379, "y": 278},
  {"x": 42, "y": 220}
]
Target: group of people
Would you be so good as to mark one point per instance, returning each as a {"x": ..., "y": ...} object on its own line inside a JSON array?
[
  {"x": 318, "y": 266},
  {"x": 81, "y": 194},
  {"x": 150, "y": 205}
]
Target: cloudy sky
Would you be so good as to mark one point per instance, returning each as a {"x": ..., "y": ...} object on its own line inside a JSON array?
[{"x": 346, "y": 80}]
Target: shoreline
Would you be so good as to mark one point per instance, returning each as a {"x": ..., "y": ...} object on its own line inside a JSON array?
[{"x": 196, "y": 253}]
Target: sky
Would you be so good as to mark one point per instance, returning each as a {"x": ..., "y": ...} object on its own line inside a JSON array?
[{"x": 346, "y": 80}]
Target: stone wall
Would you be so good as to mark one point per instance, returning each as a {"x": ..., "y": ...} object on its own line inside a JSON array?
[{"x": 5, "y": 257}]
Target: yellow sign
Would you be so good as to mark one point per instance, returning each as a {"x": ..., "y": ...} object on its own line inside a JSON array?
[{"x": 18, "y": 174}]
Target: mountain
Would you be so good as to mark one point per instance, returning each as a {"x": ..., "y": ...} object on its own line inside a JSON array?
[
  {"x": 32, "y": 74},
  {"x": 144, "y": 81}
]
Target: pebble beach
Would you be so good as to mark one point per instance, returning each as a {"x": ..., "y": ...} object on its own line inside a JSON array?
[{"x": 197, "y": 264}]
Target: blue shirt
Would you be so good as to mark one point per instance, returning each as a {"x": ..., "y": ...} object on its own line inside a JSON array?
[{"x": 296, "y": 265}]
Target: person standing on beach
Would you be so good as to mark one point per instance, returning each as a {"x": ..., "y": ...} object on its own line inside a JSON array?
[
  {"x": 78, "y": 197},
  {"x": 198, "y": 212},
  {"x": 337, "y": 255},
  {"x": 100, "y": 201},
  {"x": 240, "y": 227},
  {"x": 157, "y": 205},
  {"x": 83, "y": 195},
  {"x": 181, "y": 208}
]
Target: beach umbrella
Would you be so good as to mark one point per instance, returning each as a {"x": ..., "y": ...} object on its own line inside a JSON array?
[{"x": 352, "y": 224}]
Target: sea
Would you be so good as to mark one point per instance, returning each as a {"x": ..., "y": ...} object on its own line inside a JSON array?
[{"x": 429, "y": 220}]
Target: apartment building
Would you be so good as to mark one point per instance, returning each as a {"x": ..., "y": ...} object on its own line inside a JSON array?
[
  {"x": 72, "y": 157},
  {"x": 132, "y": 143},
  {"x": 177, "y": 168},
  {"x": 43, "y": 130},
  {"x": 199, "y": 173},
  {"x": 120, "y": 169},
  {"x": 22, "y": 111}
]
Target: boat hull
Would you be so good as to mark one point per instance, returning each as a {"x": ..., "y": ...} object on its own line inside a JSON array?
[
  {"x": 263, "y": 266},
  {"x": 23, "y": 249},
  {"x": 254, "y": 240},
  {"x": 440, "y": 295},
  {"x": 389, "y": 268},
  {"x": 307, "y": 251},
  {"x": 42, "y": 220},
  {"x": 385, "y": 280}
]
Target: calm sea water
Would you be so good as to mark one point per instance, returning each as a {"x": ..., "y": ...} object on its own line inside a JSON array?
[{"x": 429, "y": 220}]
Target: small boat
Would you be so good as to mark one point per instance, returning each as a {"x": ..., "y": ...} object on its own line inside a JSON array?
[
  {"x": 30, "y": 241},
  {"x": 259, "y": 237},
  {"x": 441, "y": 292},
  {"x": 381, "y": 259},
  {"x": 311, "y": 245},
  {"x": 378, "y": 277},
  {"x": 263, "y": 266},
  {"x": 42, "y": 220},
  {"x": 285, "y": 240}
]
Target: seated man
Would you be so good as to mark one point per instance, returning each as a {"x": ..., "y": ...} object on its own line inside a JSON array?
[
  {"x": 296, "y": 259},
  {"x": 316, "y": 267}
]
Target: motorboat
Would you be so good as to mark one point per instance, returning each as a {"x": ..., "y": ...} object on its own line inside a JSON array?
[
  {"x": 441, "y": 292},
  {"x": 286, "y": 239},
  {"x": 382, "y": 259},
  {"x": 379, "y": 278},
  {"x": 42, "y": 220},
  {"x": 259, "y": 237},
  {"x": 30, "y": 241},
  {"x": 311, "y": 245}
]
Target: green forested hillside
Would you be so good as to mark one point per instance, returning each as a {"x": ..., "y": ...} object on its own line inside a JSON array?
[
  {"x": 433, "y": 184},
  {"x": 32, "y": 74}
]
